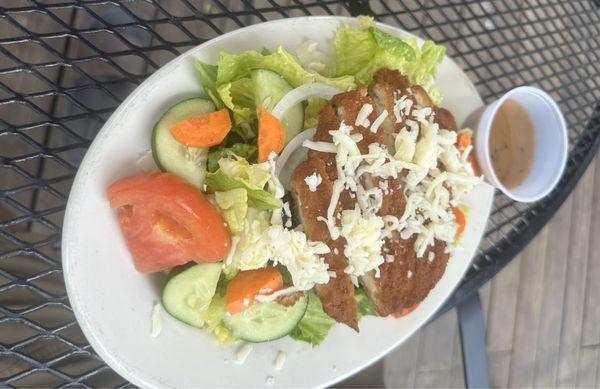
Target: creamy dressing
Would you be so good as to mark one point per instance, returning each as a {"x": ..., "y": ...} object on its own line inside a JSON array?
[{"x": 512, "y": 144}]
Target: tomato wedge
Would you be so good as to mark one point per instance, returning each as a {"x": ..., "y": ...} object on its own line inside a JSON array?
[{"x": 167, "y": 222}]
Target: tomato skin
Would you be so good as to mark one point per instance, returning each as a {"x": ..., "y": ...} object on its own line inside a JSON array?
[
  {"x": 404, "y": 312},
  {"x": 167, "y": 222}
]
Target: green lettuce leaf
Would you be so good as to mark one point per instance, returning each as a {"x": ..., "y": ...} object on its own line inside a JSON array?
[
  {"x": 238, "y": 96},
  {"x": 354, "y": 49},
  {"x": 381, "y": 59},
  {"x": 213, "y": 317},
  {"x": 257, "y": 198},
  {"x": 244, "y": 150},
  {"x": 393, "y": 45},
  {"x": 423, "y": 69},
  {"x": 254, "y": 176},
  {"x": 311, "y": 112},
  {"x": 285, "y": 275},
  {"x": 234, "y": 173},
  {"x": 232, "y": 67},
  {"x": 435, "y": 94},
  {"x": 364, "y": 305},
  {"x": 208, "y": 78},
  {"x": 234, "y": 207},
  {"x": 315, "y": 325},
  {"x": 252, "y": 249},
  {"x": 363, "y": 50}
]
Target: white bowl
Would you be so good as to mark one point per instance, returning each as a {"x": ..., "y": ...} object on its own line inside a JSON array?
[
  {"x": 113, "y": 302},
  {"x": 551, "y": 144}
]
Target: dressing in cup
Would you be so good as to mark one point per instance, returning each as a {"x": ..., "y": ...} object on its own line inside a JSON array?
[{"x": 521, "y": 143}]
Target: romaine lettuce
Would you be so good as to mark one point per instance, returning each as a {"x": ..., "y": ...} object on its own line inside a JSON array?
[
  {"x": 315, "y": 325},
  {"x": 362, "y": 50},
  {"x": 244, "y": 150},
  {"x": 257, "y": 198},
  {"x": 234, "y": 207},
  {"x": 393, "y": 45},
  {"x": 238, "y": 96},
  {"x": 236, "y": 172},
  {"x": 208, "y": 78},
  {"x": 255, "y": 176},
  {"x": 423, "y": 69},
  {"x": 311, "y": 112},
  {"x": 314, "y": 60},
  {"x": 354, "y": 49},
  {"x": 363, "y": 303},
  {"x": 232, "y": 67},
  {"x": 213, "y": 317},
  {"x": 252, "y": 250}
]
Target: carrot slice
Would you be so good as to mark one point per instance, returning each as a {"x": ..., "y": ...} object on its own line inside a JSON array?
[
  {"x": 463, "y": 141},
  {"x": 271, "y": 135},
  {"x": 405, "y": 312},
  {"x": 203, "y": 130},
  {"x": 246, "y": 285},
  {"x": 460, "y": 219}
]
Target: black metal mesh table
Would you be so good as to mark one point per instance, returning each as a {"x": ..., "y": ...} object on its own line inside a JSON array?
[{"x": 66, "y": 65}]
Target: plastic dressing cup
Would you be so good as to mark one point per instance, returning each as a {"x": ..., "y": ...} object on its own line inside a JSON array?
[{"x": 551, "y": 143}]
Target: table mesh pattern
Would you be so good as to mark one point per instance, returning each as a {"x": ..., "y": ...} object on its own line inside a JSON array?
[{"x": 66, "y": 65}]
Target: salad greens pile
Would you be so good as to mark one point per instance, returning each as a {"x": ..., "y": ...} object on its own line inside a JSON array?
[
  {"x": 359, "y": 52},
  {"x": 243, "y": 189}
]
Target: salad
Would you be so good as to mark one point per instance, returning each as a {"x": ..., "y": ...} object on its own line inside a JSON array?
[{"x": 244, "y": 259}]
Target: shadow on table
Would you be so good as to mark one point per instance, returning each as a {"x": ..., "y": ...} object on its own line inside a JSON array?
[{"x": 371, "y": 377}]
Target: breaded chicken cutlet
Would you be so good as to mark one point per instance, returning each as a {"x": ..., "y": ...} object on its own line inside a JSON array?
[{"x": 404, "y": 279}]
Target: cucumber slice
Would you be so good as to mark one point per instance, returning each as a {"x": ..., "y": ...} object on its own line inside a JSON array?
[
  {"x": 266, "y": 321},
  {"x": 187, "y": 295},
  {"x": 171, "y": 156},
  {"x": 269, "y": 88}
]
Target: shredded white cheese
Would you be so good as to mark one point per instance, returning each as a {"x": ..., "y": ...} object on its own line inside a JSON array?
[
  {"x": 431, "y": 256},
  {"x": 379, "y": 121},
  {"x": 313, "y": 181},
  {"x": 279, "y": 360},
  {"x": 264, "y": 238},
  {"x": 363, "y": 242},
  {"x": 286, "y": 209},
  {"x": 299, "y": 255},
  {"x": 156, "y": 326},
  {"x": 362, "y": 118},
  {"x": 402, "y": 108},
  {"x": 242, "y": 353},
  {"x": 275, "y": 295},
  {"x": 324, "y": 147}
]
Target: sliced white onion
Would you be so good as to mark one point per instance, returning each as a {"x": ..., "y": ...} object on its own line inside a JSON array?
[
  {"x": 304, "y": 92},
  {"x": 292, "y": 155}
]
